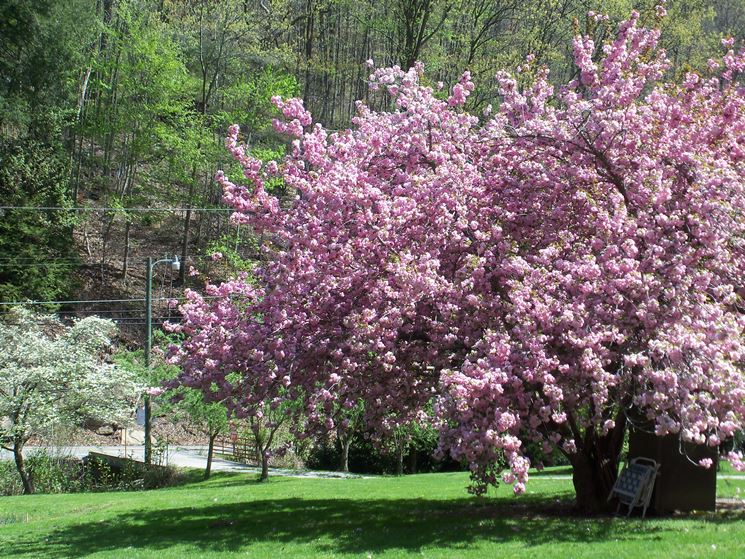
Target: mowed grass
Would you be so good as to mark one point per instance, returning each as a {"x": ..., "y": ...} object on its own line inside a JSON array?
[{"x": 415, "y": 516}]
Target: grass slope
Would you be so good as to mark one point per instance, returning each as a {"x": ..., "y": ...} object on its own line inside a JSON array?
[{"x": 421, "y": 516}]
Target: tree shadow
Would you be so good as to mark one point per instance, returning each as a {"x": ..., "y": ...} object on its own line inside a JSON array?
[
  {"x": 340, "y": 526},
  {"x": 562, "y": 471},
  {"x": 218, "y": 479}
]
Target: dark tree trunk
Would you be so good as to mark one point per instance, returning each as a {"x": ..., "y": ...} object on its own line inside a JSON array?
[
  {"x": 125, "y": 265},
  {"x": 592, "y": 483},
  {"x": 413, "y": 456},
  {"x": 344, "y": 458},
  {"x": 595, "y": 468},
  {"x": 185, "y": 234},
  {"x": 28, "y": 484},
  {"x": 400, "y": 459},
  {"x": 264, "y": 466},
  {"x": 210, "y": 452}
]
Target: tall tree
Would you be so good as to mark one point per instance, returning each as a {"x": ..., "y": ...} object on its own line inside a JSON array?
[
  {"x": 38, "y": 256},
  {"x": 573, "y": 263}
]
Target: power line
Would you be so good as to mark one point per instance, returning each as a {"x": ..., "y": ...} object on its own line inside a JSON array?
[
  {"x": 73, "y": 313},
  {"x": 35, "y": 259},
  {"x": 106, "y": 209},
  {"x": 67, "y": 259},
  {"x": 81, "y": 302},
  {"x": 95, "y": 301},
  {"x": 68, "y": 264}
]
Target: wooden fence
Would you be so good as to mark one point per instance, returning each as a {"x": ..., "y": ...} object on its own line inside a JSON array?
[{"x": 237, "y": 449}]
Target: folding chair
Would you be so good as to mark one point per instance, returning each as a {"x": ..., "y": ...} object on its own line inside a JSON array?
[{"x": 635, "y": 484}]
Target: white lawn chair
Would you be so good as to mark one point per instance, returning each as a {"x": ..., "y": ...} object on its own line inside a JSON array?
[{"x": 635, "y": 484}]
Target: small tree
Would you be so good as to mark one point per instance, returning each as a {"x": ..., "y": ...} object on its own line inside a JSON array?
[
  {"x": 213, "y": 332},
  {"x": 351, "y": 414},
  {"x": 410, "y": 437},
  {"x": 263, "y": 426},
  {"x": 52, "y": 374},
  {"x": 211, "y": 418}
]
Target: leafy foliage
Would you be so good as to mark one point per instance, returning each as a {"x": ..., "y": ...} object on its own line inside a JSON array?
[{"x": 34, "y": 175}]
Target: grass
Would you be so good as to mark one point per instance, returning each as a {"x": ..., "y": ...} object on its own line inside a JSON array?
[{"x": 415, "y": 516}]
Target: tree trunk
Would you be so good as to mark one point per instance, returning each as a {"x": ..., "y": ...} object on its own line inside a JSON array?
[
  {"x": 589, "y": 492},
  {"x": 593, "y": 476},
  {"x": 264, "y": 466},
  {"x": 344, "y": 458},
  {"x": 125, "y": 264},
  {"x": 185, "y": 234},
  {"x": 28, "y": 484},
  {"x": 210, "y": 452},
  {"x": 413, "y": 456},
  {"x": 400, "y": 459}
]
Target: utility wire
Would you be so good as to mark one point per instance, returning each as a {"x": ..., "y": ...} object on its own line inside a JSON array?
[
  {"x": 35, "y": 259},
  {"x": 69, "y": 263},
  {"x": 95, "y": 301},
  {"x": 82, "y": 302},
  {"x": 69, "y": 259},
  {"x": 106, "y": 209}
]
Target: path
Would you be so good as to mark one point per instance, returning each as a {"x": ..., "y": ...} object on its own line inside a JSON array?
[
  {"x": 196, "y": 457},
  {"x": 181, "y": 456}
]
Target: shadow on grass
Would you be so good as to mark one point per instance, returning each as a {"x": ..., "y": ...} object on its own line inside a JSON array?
[
  {"x": 338, "y": 526},
  {"x": 219, "y": 479},
  {"x": 556, "y": 471}
]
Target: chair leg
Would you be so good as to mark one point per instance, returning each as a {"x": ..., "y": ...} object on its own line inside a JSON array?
[{"x": 632, "y": 505}]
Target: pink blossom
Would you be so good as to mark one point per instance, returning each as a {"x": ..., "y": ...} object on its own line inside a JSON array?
[{"x": 575, "y": 253}]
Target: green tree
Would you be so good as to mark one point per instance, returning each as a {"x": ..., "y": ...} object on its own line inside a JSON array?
[
  {"x": 46, "y": 50},
  {"x": 210, "y": 418},
  {"x": 36, "y": 244}
]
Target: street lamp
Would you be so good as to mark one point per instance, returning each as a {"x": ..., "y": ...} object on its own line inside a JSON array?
[{"x": 175, "y": 266}]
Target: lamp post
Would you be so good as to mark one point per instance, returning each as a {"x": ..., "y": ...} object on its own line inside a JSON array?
[{"x": 175, "y": 266}]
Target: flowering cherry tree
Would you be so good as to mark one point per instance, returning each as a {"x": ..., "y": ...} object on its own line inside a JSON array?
[
  {"x": 550, "y": 272},
  {"x": 52, "y": 374}
]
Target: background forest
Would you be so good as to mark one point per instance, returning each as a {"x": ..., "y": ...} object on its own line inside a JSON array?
[{"x": 113, "y": 114}]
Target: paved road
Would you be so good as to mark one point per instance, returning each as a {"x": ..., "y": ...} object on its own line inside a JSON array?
[{"x": 181, "y": 456}]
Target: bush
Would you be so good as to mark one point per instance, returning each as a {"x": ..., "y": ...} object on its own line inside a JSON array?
[
  {"x": 128, "y": 475},
  {"x": 64, "y": 474},
  {"x": 10, "y": 483},
  {"x": 55, "y": 474},
  {"x": 163, "y": 476},
  {"x": 50, "y": 474},
  {"x": 366, "y": 458}
]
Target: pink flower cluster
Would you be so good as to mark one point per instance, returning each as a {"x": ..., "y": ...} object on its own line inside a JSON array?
[{"x": 572, "y": 262}]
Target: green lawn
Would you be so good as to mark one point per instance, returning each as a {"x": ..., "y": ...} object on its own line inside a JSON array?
[{"x": 417, "y": 516}]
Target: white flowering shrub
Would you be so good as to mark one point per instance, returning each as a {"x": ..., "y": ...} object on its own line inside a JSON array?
[{"x": 52, "y": 374}]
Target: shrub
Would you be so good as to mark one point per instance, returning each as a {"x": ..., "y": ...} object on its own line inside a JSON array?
[
  {"x": 65, "y": 474},
  {"x": 366, "y": 458}
]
